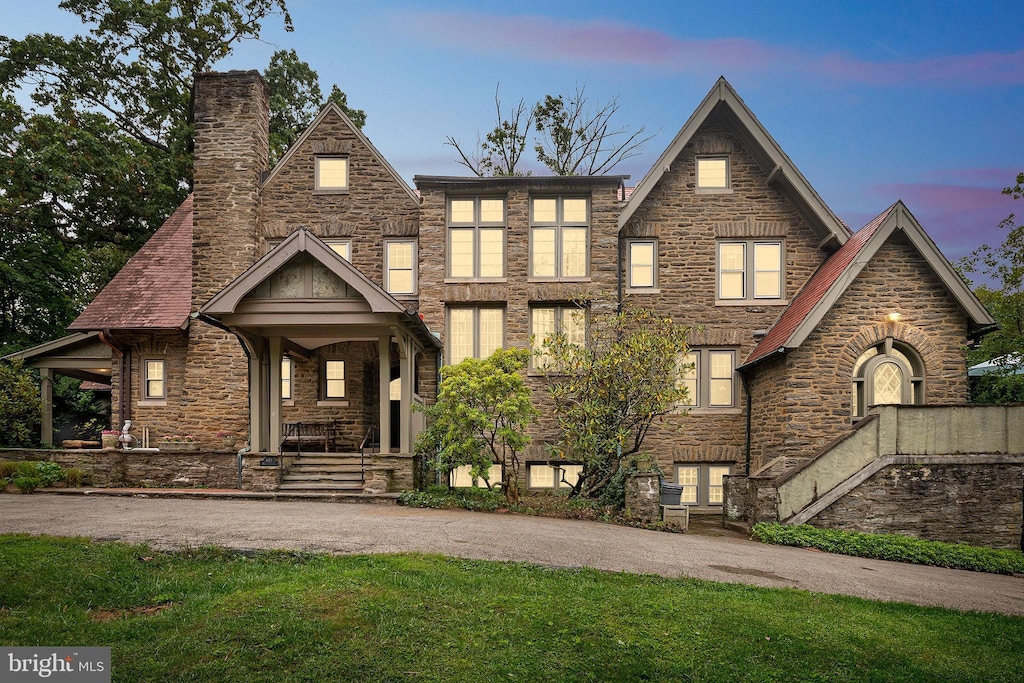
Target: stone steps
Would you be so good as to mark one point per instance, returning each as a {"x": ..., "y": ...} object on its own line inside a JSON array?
[
  {"x": 338, "y": 487},
  {"x": 324, "y": 472}
]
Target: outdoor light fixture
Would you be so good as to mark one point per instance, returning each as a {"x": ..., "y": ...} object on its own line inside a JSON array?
[{"x": 894, "y": 317}]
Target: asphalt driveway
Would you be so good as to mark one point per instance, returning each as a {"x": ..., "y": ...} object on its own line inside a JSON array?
[{"x": 352, "y": 529}]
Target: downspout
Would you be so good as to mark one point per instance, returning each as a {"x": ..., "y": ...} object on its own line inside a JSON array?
[
  {"x": 750, "y": 404},
  {"x": 618, "y": 274},
  {"x": 202, "y": 317},
  {"x": 124, "y": 408}
]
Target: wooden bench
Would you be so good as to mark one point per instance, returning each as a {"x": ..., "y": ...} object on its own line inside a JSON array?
[{"x": 305, "y": 435}]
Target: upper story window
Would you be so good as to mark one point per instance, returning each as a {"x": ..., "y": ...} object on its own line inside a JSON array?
[
  {"x": 400, "y": 266},
  {"x": 331, "y": 174},
  {"x": 559, "y": 238},
  {"x": 476, "y": 238},
  {"x": 750, "y": 270},
  {"x": 474, "y": 332},
  {"x": 713, "y": 174},
  {"x": 341, "y": 247},
  {"x": 642, "y": 264},
  {"x": 547, "y": 321},
  {"x": 887, "y": 373},
  {"x": 709, "y": 378},
  {"x": 153, "y": 386}
]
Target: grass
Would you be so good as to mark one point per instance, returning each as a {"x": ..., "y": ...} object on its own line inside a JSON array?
[
  {"x": 893, "y": 547},
  {"x": 214, "y": 615}
]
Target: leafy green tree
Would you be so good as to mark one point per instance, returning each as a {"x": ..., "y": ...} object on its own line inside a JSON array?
[
  {"x": 19, "y": 406},
  {"x": 295, "y": 99},
  {"x": 610, "y": 389},
  {"x": 480, "y": 418}
]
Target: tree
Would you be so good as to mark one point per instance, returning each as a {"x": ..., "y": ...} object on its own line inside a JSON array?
[
  {"x": 609, "y": 390},
  {"x": 578, "y": 138},
  {"x": 19, "y": 406},
  {"x": 500, "y": 151},
  {"x": 480, "y": 418},
  {"x": 295, "y": 98},
  {"x": 1004, "y": 266}
]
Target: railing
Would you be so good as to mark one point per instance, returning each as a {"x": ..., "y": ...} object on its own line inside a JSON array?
[{"x": 362, "y": 453}]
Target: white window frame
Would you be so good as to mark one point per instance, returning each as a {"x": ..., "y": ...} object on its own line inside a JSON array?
[
  {"x": 334, "y": 242},
  {"x": 704, "y": 488},
  {"x": 537, "y": 362},
  {"x": 630, "y": 284},
  {"x": 750, "y": 272},
  {"x": 559, "y": 225},
  {"x": 320, "y": 188},
  {"x": 475, "y": 329},
  {"x": 713, "y": 189},
  {"x": 700, "y": 400},
  {"x": 324, "y": 385},
  {"x": 476, "y": 226},
  {"x": 388, "y": 270},
  {"x": 147, "y": 379}
]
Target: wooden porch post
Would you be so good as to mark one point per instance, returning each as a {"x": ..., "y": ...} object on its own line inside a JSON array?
[
  {"x": 407, "y": 351},
  {"x": 274, "y": 357},
  {"x": 257, "y": 438},
  {"x": 46, "y": 397},
  {"x": 384, "y": 353}
]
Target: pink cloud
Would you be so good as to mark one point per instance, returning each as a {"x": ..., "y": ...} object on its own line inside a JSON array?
[{"x": 544, "y": 39}]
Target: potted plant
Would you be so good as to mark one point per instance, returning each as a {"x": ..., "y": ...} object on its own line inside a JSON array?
[
  {"x": 229, "y": 439},
  {"x": 109, "y": 438},
  {"x": 178, "y": 443}
]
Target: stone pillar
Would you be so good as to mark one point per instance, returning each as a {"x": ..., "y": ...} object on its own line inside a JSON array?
[
  {"x": 643, "y": 496},
  {"x": 46, "y": 398},
  {"x": 384, "y": 360}
]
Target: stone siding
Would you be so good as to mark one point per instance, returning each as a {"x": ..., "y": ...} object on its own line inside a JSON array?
[{"x": 977, "y": 504}]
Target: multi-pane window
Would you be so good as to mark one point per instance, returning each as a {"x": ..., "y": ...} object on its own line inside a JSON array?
[
  {"x": 476, "y": 238},
  {"x": 642, "y": 264},
  {"x": 887, "y": 373},
  {"x": 709, "y": 378},
  {"x": 702, "y": 483},
  {"x": 547, "y": 321},
  {"x": 474, "y": 332},
  {"x": 400, "y": 266},
  {"x": 461, "y": 477},
  {"x": 153, "y": 379},
  {"x": 559, "y": 237},
  {"x": 286, "y": 378},
  {"x": 331, "y": 174},
  {"x": 560, "y": 476},
  {"x": 749, "y": 269},
  {"x": 713, "y": 173},
  {"x": 334, "y": 378}
]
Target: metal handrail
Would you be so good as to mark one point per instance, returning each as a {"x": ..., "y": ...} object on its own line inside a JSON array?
[{"x": 362, "y": 453}]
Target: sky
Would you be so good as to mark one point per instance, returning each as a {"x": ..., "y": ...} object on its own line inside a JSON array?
[{"x": 873, "y": 101}]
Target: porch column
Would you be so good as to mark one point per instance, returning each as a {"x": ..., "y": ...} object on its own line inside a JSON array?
[
  {"x": 384, "y": 359},
  {"x": 274, "y": 355},
  {"x": 407, "y": 351},
  {"x": 46, "y": 398},
  {"x": 257, "y": 437}
]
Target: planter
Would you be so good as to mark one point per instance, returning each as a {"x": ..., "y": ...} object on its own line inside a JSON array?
[
  {"x": 178, "y": 446},
  {"x": 109, "y": 440}
]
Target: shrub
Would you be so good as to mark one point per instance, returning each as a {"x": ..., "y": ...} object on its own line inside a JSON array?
[
  {"x": 26, "y": 484},
  {"x": 19, "y": 406},
  {"x": 74, "y": 476},
  {"x": 7, "y": 469},
  {"x": 893, "y": 547},
  {"x": 49, "y": 472},
  {"x": 443, "y": 498}
]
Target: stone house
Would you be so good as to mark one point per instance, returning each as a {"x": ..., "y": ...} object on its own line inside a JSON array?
[{"x": 326, "y": 291}]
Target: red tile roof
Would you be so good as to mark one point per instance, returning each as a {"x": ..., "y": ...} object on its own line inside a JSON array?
[
  {"x": 154, "y": 289},
  {"x": 815, "y": 289}
]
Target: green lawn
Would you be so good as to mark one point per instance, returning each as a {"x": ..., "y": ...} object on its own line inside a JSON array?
[{"x": 212, "y": 615}]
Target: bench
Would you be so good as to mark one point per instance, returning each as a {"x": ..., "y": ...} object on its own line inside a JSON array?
[{"x": 307, "y": 435}]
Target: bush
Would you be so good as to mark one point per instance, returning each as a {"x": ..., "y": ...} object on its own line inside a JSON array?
[
  {"x": 7, "y": 469},
  {"x": 74, "y": 476},
  {"x": 444, "y": 498},
  {"x": 19, "y": 406},
  {"x": 893, "y": 547},
  {"x": 49, "y": 472},
  {"x": 26, "y": 484}
]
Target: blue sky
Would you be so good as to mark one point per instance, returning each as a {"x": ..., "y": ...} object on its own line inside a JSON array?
[{"x": 873, "y": 101}]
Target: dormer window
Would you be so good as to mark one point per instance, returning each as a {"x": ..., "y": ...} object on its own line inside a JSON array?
[
  {"x": 713, "y": 174},
  {"x": 331, "y": 174}
]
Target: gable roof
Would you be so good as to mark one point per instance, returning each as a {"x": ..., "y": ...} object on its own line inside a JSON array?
[
  {"x": 301, "y": 241},
  {"x": 154, "y": 289},
  {"x": 780, "y": 169},
  {"x": 332, "y": 108},
  {"x": 834, "y": 276}
]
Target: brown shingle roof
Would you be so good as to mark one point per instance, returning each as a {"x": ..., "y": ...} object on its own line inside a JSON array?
[
  {"x": 154, "y": 289},
  {"x": 814, "y": 291}
]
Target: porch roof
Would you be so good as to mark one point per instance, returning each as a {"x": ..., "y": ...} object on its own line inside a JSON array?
[{"x": 81, "y": 355}]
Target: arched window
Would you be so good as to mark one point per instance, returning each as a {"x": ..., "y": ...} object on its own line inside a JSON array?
[{"x": 888, "y": 372}]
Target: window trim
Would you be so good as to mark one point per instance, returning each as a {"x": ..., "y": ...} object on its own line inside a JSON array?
[
  {"x": 286, "y": 360},
  {"x": 714, "y": 189},
  {"x": 559, "y": 309},
  {"x": 476, "y": 329},
  {"x": 749, "y": 272},
  {"x": 702, "y": 367},
  {"x": 703, "y": 484},
  {"x": 558, "y": 225},
  {"x": 323, "y": 378},
  {"x": 415, "y": 267},
  {"x": 146, "y": 395},
  {"x": 477, "y": 225},
  {"x": 332, "y": 189},
  {"x": 915, "y": 375},
  {"x": 630, "y": 286},
  {"x": 556, "y": 478},
  {"x": 332, "y": 241}
]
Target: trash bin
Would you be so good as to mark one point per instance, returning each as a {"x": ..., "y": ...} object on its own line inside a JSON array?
[{"x": 671, "y": 493}]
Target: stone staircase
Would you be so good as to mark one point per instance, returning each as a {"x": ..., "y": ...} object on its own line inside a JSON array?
[{"x": 324, "y": 473}]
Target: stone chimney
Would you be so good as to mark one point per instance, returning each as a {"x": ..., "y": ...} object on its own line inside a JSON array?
[{"x": 232, "y": 119}]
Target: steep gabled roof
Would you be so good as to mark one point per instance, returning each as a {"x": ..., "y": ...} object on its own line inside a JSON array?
[
  {"x": 834, "y": 276},
  {"x": 780, "y": 169},
  {"x": 301, "y": 241},
  {"x": 332, "y": 108},
  {"x": 154, "y": 289}
]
